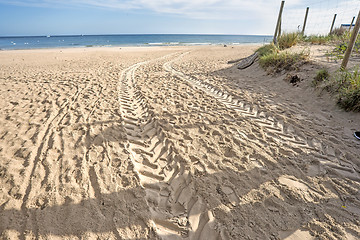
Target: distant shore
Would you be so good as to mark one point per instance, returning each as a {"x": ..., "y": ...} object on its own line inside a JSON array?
[{"x": 124, "y": 48}]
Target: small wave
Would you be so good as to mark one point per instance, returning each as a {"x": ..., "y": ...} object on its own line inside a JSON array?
[
  {"x": 163, "y": 43},
  {"x": 206, "y": 43}
]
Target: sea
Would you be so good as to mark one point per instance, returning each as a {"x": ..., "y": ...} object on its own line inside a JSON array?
[{"x": 73, "y": 41}]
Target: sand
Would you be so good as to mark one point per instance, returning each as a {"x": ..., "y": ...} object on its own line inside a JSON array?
[{"x": 172, "y": 143}]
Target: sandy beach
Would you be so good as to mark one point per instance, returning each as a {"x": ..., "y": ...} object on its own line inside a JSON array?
[{"x": 172, "y": 143}]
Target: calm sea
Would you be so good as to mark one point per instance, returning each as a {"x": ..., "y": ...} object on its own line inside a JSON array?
[{"x": 30, "y": 42}]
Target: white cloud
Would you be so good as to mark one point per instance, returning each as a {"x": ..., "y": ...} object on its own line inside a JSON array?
[
  {"x": 260, "y": 14},
  {"x": 202, "y": 9}
]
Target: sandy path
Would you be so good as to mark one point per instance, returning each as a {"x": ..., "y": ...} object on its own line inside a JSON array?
[{"x": 165, "y": 143}]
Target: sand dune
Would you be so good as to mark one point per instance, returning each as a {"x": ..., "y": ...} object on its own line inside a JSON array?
[{"x": 169, "y": 143}]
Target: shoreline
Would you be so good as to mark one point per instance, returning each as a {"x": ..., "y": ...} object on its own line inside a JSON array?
[
  {"x": 127, "y": 47},
  {"x": 88, "y": 41}
]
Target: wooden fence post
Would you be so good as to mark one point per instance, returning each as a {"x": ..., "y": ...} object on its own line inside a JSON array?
[
  {"x": 351, "y": 23},
  {"x": 278, "y": 21},
  {"x": 351, "y": 43},
  {"x": 279, "y": 32},
  {"x": 332, "y": 25},
  {"x": 305, "y": 19}
]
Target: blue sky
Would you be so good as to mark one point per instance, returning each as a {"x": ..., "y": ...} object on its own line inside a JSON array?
[{"x": 56, "y": 17}]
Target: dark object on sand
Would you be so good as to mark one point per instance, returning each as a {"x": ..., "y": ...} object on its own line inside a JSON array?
[
  {"x": 357, "y": 135},
  {"x": 248, "y": 61},
  {"x": 293, "y": 79}
]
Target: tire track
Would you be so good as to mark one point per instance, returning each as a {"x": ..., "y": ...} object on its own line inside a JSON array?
[
  {"x": 274, "y": 128},
  {"x": 176, "y": 210}
]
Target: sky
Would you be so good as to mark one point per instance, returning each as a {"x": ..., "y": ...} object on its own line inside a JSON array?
[{"x": 250, "y": 17}]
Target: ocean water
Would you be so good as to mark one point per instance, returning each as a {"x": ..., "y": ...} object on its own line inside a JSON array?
[{"x": 33, "y": 42}]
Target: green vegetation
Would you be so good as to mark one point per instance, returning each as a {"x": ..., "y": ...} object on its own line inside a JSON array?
[
  {"x": 339, "y": 31},
  {"x": 287, "y": 40},
  {"x": 339, "y": 38},
  {"x": 272, "y": 58},
  {"x": 267, "y": 49},
  {"x": 341, "y": 45},
  {"x": 338, "y": 35},
  {"x": 283, "y": 60},
  {"x": 317, "y": 39},
  {"x": 346, "y": 86},
  {"x": 321, "y": 76}
]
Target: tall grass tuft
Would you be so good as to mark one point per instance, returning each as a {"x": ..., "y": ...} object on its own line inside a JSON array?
[
  {"x": 349, "y": 90},
  {"x": 279, "y": 61},
  {"x": 267, "y": 49},
  {"x": 346, "y": 86},
  {"x": 287, "y": 40},
  {"x": 321, "y": 76}
]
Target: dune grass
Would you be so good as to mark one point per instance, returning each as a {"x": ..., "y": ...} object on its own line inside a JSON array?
[
  {"x": 278, "y": 61},
  {"x": 321, "y": 76},
  {"x": 287, "y": 40},
  {"x": 272, "y": 58},
  {"x": 316, "y": 39},
  {"x": 267, "y": 49},
  {"x": 346, "y": 86},
  {"x": 338, "y": 35}
]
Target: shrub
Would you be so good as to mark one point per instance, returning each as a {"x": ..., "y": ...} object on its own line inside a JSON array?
[
  {"x": 287, "y": 40},
  {"x": 342, "y": 44},
  {"x": 321, "y": 76},
  {"x": 283, "y": 60}
]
